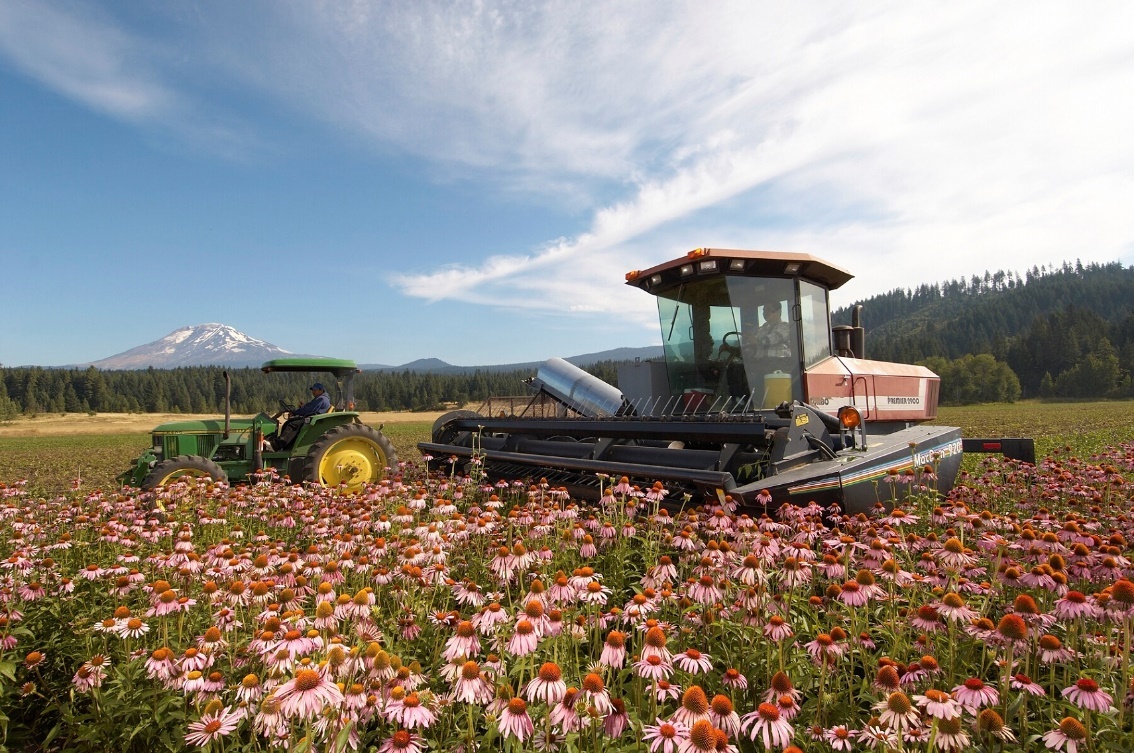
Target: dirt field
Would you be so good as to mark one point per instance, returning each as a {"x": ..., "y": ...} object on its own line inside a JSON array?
[{"x": 76, "y": 424}]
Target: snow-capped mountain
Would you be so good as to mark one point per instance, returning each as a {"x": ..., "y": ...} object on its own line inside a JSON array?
[{"x": 201, "y": 345}]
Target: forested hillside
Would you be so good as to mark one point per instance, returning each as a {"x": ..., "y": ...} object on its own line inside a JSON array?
[
  {"x": 1066, "y": 331},
  {"x": 201, "y": 389}
]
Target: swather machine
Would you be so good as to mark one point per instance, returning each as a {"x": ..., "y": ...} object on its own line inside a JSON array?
[{"x": 726, "y": 414}]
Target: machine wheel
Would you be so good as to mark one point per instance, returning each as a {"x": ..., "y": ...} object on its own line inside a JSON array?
[
  {"x": 351, "y": 454},
  {"x": 443, "y": 436},
  {"x": 180, "y": 467}
]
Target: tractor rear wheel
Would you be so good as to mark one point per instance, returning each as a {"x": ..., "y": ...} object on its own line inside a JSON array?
[
  {"x": 180, "y": 468},
  {"x": 351, "y": 455}
]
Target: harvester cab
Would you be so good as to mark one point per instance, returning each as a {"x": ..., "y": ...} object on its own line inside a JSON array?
[
  {"x": 757, "y": 400},
  {"x": 331, "y": 449}
]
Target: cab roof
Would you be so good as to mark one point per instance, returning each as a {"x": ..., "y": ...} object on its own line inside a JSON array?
[
  {"x": 738, "y": 262},
  {"x": 340, "y": 367}
]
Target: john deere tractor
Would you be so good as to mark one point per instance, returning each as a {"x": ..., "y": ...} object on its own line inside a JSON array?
[{"x": 333, "y": 449}]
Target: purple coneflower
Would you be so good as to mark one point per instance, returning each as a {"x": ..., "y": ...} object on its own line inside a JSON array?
[
  {"x": 973, "y": 694},
  {"x": 938, "y": 704},
  {"x": 515, "y": 722},
  {"x": 1067, "y": 736},
  {"x": 665, "y": 737},
  {"x": 1086, "y": 694},
  {"x": 213, "y": 726},
  {"x": 547, "y": 686},
  {"x": 693, "y": 661},
  {"x": 307, "y": 694},
  {"x": 766, "y": 724}
]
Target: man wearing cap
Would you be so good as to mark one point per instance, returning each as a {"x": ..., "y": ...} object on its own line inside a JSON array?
[{"x": 318, "y": 404}]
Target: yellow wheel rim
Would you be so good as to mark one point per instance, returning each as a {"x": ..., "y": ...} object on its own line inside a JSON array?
[
  {"x": 352, "y": 462},
  {"x": 183, "y": 473}
]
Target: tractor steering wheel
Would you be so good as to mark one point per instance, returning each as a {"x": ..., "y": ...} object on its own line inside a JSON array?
[
  {"x": 733, "y": 349},
  {"x": 284, "y": 408}
]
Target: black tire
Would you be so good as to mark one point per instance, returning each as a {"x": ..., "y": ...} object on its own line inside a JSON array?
[
  {"x": 192, "y": 466},
  {"x": 441, "y": 435},
  {"x": 351, "y": 454}
]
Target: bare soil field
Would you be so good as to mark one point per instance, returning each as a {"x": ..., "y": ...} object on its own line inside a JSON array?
[{"x": 76, "y": 424}]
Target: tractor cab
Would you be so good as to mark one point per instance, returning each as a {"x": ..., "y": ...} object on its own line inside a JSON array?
[{"x": 739, "y": 329}]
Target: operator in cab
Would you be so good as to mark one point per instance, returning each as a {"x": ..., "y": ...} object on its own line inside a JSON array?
[
  {"x": 317, "y": 405},
  {"x": 772, "y": 339}
]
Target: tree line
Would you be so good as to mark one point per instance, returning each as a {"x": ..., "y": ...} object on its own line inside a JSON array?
[
  {"x": 32, "y": 390},
  {"x": 1065, "y": 331}
]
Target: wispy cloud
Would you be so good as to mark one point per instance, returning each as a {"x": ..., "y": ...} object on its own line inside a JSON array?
[
  {"x": 85, "y": 56},
  {"x": 908, "y": 142}
]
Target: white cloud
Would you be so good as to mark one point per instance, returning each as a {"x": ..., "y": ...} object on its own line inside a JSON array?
[
  {"x": 83, "y": 56},
  {"x": 908, "y": 142}
]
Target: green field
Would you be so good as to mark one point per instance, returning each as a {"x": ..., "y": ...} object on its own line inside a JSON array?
[{"x": 52, "y": 463}]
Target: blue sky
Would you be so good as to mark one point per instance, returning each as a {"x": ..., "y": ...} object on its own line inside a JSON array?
[{"x": 465, "y": 181}]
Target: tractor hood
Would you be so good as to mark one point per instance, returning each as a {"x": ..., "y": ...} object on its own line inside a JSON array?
[{"x": 207, "y": 426}]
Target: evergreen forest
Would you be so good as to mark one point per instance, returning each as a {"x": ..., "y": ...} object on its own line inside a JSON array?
[{"x": 1065, "y": 332}]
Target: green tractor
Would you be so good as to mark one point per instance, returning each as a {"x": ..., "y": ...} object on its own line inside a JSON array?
[{"x": 333, "y": 449}]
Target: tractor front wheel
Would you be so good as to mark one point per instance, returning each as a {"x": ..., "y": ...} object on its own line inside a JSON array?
[
  {"x": 351, "y": 455},
  {"x": 182, "y": 467}
]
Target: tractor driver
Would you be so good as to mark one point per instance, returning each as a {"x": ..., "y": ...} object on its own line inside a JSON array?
[
  {"x": 317, "y": 405},
  {"x": 772, "y": 339}
]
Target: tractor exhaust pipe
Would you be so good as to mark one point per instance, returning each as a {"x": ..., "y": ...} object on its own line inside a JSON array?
[
  {"x": 858, "y": 334},
  {"x": 227, "y": 403}
]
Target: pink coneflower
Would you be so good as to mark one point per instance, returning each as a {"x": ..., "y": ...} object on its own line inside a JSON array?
[
  {"x": 524, "y": 641},
  {"x": 1067, "y": 736},
  {"x": 840, "y": 738},
  {"x": 595, "y": 693},
  {"x": 951, "y": 736},
  {"x": 723, "y": 715},
  {"x": 666, "y": 691},
  {"x": 34, "y": 659},
  {"x": 733, "y": 680},
  {"x": 1027, "y": 685},
  {"x": 616, "y": 722},
  {"x": 665, "y": 737},
  {"x": 410, "y": 712},
  {"x": 472, "y": 686},
  {"x": 952, "y": 607},
  {"x": 614, "y": 650},
  {"x": 655, "y": 645},
  {"x": 547, "y": 686},
  {"x": 463, "y": 642},
  {"x": 653, "y": 668},
  {"x": 938, "y": 704},
  {"x": 693, "y": 661},
  {"x": 927, "y": 619},
  {"x": 781, "y": 685},
  {"x": 307, "y": 694},
  {"x": 1052, "y": 650},
  {"x": 514, "y": 721},
  {"x": 211, "y": 727},
  {"x": 1086, "y": 694},
  {"x": 564, "y": 715},
  {"x": 766, "y": 724},
  {"x": 694, "y": 707},
  {"x": 1073, "y": 606},
  {"x": 990, "y": 723},
  {"x": 403, "y": 741},
  {"x": 973, "y": 694},
  {"x": 777, "y": 629},
  {"x": 824, "y": 650},
  {"x": 898, "y": 713}
]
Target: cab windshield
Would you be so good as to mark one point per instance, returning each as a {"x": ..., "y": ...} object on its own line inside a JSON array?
[{"x": 733, "y": 343}]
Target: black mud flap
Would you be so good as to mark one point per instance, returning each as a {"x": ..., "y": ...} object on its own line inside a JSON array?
[{"x": 1014, "y": 448}]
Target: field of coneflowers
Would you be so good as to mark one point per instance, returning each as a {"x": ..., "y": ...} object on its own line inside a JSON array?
[{"x": 456, "y": 612}]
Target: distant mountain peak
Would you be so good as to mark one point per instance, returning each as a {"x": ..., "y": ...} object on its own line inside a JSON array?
[{"x": 210, "y": 344}]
